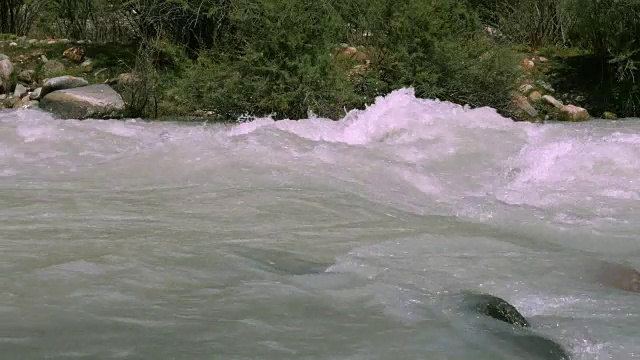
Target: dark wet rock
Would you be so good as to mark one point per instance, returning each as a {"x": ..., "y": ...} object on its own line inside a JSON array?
[
  {"x": 536, "y": 347},
  {"x": 512, "y": 329},
  {"x": 496, "y": 308},
  {"x": 93, "y": 101}
]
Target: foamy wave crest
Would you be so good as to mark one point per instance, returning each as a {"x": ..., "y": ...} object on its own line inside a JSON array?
[{"x": 397, "y": 117}]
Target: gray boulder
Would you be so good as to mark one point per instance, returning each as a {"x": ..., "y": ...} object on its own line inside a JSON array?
[
  {"x": 19, "y": 91},
  {"x": 6, "y": 69},
  {"x": 26, "y": 76},
  {"x": 94, "y": 101},
  {"x": 62, "y": 83},
  {"x": 52, "y": 67}
]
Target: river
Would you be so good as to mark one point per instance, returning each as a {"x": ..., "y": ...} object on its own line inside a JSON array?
[{"x": 314, "y": 239}]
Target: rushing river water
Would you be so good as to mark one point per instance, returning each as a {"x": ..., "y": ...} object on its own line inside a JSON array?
[{"x": 314, "y": 239}]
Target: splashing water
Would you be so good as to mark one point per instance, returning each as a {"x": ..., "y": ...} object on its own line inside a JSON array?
[{"x": 128, "y": 239}]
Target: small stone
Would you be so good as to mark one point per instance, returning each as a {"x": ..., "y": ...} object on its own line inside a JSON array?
[
  {"x": 609, "y": 115},
  {"x": 525, "y": 88},
  {"x": 32, "y": 41},
  {"x": 3, "y": 96},
  {"x": 542, "y": 59},
  {"x": 64, "y": 41},
  {"x": 13, "y": 44},
  {"x": 552, "y": 101},
  {"x": 523, "y": 104},
  {"x": 43, "y": 59},
  {"x": 35, "y": 94},
  {"x": 535, "y": 96},
  {"x": 19, "y": 91},
  {"x": 527, "y": 64},
  {"x": 545, "y": 85}
]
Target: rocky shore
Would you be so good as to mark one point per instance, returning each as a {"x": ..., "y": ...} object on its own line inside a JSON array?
[{"x": 70, "y": 85}]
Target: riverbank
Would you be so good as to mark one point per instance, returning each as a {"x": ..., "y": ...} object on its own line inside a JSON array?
[{"x": 152, "y": 84}]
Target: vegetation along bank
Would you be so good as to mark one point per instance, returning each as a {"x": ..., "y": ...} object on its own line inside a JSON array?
[{"x": 225, "y": 59}]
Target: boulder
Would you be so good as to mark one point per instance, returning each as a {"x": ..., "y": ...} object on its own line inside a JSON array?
[
  {"x": 573, "y": 113},
  {"x": 26, "y": 76},
  {"x": 52, "y": 68},
  {"x": 552, "y": 101},
  {"x": 93, "y": 101},
  {"x": 62, "y": 83},
  {"x": 6, "y": 69}
]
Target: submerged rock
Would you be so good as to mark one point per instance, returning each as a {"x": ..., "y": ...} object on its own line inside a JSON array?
[
  {"x": 517, "y": 336},
  {"x": 94, "y": 101},
  {"x": 496, "y": 308},
  {"x": 612, "y": 275},
  {"x": 281, "y": 261}
]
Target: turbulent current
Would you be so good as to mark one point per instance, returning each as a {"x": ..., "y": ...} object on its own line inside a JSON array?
[{"x": 316, "y": 239}]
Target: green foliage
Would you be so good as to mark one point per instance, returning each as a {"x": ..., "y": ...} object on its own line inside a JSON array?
[{"x": 8, "y": 36}]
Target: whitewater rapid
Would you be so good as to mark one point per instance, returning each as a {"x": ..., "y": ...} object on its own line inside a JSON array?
[{"x": 313, "y": 238}]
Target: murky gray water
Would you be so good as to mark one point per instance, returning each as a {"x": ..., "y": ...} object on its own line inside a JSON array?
[{"x": 314, "y": 239}]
